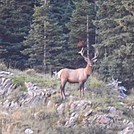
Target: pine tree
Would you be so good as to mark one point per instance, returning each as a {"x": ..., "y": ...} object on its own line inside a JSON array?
[
  {"x": 14, "y": 25},
  {"x": 61, "y": 12},
  {"x": 47, "y": 35},
  {"x": 78, "y": 26},
  {"x": 35, "y": 40},
  {"x": 115, "y": 38}
]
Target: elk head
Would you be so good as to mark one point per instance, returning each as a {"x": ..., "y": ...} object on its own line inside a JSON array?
[{"x": 88, "y": 60}]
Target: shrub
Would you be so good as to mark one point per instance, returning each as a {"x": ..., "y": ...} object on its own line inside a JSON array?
[
  {"x": 94, "y": 82},
  {"x": 96, "y": 86},
  {"x": 3, "y": 67}
]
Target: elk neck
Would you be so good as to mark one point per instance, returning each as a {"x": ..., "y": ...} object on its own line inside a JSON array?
[{"x": 88, "y": 69}]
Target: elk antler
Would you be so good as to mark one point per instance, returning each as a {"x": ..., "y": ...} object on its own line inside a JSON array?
[
  {"x": 95, "y": 55},
  {"x": 81, "y": 51},
  {"x": 82, "y": 54}
]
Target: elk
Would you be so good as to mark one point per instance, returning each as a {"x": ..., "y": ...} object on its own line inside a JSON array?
[{"x": 79, "y": 75}]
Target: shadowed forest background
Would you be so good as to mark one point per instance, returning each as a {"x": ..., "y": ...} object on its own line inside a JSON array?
[{"x": 47, "y": 35}]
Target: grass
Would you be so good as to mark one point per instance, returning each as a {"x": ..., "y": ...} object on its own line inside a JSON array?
[
  {"x": 95, "y": 83},
  {"x": 38, "y": 119},
  {"x": 42, "y": 119},
  {"x": 44, "y": 81}
]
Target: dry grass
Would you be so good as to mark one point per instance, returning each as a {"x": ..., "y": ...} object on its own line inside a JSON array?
[{"x": 42, "y": 119}]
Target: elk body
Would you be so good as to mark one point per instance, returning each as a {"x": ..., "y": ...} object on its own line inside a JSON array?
[{"x": 79, "y": 75}]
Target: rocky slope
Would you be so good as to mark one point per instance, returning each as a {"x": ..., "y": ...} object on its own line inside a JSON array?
[{"x": 41, "y": 110}]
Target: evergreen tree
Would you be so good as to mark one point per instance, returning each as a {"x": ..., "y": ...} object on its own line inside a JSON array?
[
  {"x": 62, "y": 11},
  {"x": 46, "y": 40},
  {"x": 35, "y": 40},
  {"x": 14, "y": 25},
  {"x": 78, "y": 26},
  {"x": 115, "y": 38}
]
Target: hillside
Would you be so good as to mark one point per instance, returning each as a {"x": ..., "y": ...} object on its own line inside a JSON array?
[{"x": 30, "y": 103}]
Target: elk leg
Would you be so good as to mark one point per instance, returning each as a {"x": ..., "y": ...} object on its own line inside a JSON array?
[
  {"x": 62, "y": 88},
  {"x": 81, "y": 88}
]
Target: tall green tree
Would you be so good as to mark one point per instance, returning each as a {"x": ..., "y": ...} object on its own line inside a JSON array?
[
  {"x": 61, "y": 12},
  {"x": 15, "y": 18},
  {"x": 35, "y": 40},
  {"x": 83, "y": 14},
  {"x": 47, "y": 38},
  {"x": 115, "y": 32}
]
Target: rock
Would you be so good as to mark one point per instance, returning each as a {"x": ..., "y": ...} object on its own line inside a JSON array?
[
  {"x": 28, "y": 131},
  {"x": 50, "y": 91},
  {"x": 6, "y": 86},
  {"x": 50, "y": 104},
  {"x": 61, "y": 108},
  {"x": 72, "y": 120},
  {"x": 79, "y": 105},
  {"x": 6, "y": 104},
  {"x": 131, "y": 124},
  {"x": 40, "y": 115},
  {"x": 126, "y": 121},
  {"x": 61, "y": 123},
  {"x": 88, "y": 113},
  {"x": 4, "y": 114},
  {"x": 103, "y": 119},
  {"x": 114, "y": 112},
  {"x": 127, "y": 130},
  {"x": 13, "y": 105},
  {"x": 35, "y": 94},
  {"x": 5, "y": 73},
  {"x": 33, "y": 89}
]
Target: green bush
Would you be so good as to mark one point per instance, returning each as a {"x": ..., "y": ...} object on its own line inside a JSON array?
[
  {"x": 96, "y": 86},
  {"x": 94, "y": 82}
]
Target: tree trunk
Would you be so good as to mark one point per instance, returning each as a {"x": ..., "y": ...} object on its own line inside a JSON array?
[
  {"x": 45, "y": 43},
  {"x": 87, "y": 38}
]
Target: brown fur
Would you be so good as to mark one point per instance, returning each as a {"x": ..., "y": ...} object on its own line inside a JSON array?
[{"x": 79, "y": 75}]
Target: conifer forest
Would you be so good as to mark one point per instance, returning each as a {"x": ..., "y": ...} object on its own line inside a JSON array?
[{"x": 48, "y": 34}]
